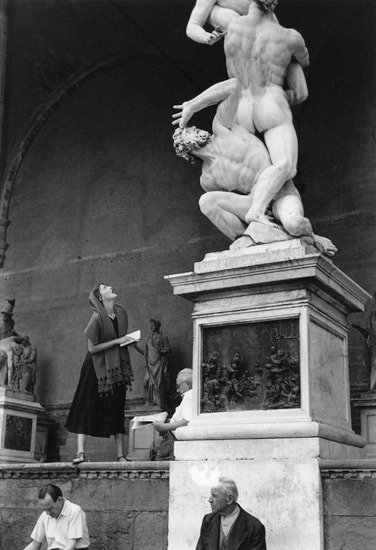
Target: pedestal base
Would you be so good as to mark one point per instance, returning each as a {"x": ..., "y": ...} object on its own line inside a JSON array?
[
  {"x": 23, "y": 428},
  {"x": 141, "y": 439},
  {"x": 367, "y": 406},
  {"x": 285, "y": 495},
  {"x": 271, "y": 389}
]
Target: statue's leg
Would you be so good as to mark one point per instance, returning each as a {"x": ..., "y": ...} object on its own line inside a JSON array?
[
  {"x": 288, "y": 209},
  {"x": 226, "y": 211},
  {"x": 283, "y": 148}
]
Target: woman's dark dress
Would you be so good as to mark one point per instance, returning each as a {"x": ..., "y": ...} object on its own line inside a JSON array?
[{"x": 92, "y": 414}]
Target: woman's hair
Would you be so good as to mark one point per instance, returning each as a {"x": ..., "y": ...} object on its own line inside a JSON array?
[{"x": 97, "y": 293}]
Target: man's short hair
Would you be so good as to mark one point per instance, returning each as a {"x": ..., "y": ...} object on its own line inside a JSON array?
[
  {"x": 184, "y": 146},
  {"x": 53, "y": 490},
  {"x": 267, "y": 5},
  {"x": 186, "y": 375},
  {"x": 229, "y": 487}
]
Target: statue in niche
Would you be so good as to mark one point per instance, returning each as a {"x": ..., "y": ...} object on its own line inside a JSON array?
[
  {"x": 250, "y": 195},
  {"x": 370, "y": 334},
  {"x": 17, "y": 355},
  {"x": 157, "y": 351},
  {"x": 6, "y": 320}
]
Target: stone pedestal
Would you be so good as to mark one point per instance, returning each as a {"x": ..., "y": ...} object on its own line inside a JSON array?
[
  {"x": 272, "y": 321},
  {"x": 367, "y": 405},
  {"x": 23, "y": 427},
  {"x": 141, "y": 438}
]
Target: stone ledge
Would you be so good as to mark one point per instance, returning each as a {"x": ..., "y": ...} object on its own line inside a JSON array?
[
  {"x": 348, "y": 469},
  {"x": 131, "y": 470}
]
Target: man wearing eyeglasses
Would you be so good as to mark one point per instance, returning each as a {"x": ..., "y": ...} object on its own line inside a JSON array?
[{"x": 181, "y": 417}]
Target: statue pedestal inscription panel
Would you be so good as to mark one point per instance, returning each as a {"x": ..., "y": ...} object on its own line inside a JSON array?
[
  {"x": 271, "y": 386},
  {"x": 23, "y": 427}
]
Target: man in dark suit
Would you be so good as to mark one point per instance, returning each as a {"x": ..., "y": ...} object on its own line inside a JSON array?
[{"x": 229, "y": 527}]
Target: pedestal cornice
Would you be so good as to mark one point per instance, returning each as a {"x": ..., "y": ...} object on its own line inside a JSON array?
[{"x": 286, "y": 263}]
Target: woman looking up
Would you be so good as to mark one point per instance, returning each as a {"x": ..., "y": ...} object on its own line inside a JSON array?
[{"x": 99, "y": 401}]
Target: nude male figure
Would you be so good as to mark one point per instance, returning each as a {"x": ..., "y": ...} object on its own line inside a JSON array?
[
  {"x": 258, "y": 52},
  {"x": 233, "y": 161},
  {"x": 220, "y": 14}
]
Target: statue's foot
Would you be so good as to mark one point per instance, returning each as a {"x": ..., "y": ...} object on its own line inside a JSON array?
[
  {"x": 261, "y": 218},
  {"x": 325, "y": 246},
  {"x": 243, "y": 242}
]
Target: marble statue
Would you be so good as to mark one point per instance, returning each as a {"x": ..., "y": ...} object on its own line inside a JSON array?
[
  {"x": 17, "y": 355},
  {"x": 6, "y": 320},
  {"x": 157, "y": 350},
  {"x": 370, "y": 334},
  {"x": 244, "y": 176},
  {"x": 10, "y": 351},
  {"x": 233, "y": 160}
]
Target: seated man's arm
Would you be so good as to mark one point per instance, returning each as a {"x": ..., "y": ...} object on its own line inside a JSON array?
[
  {"x": 34, "y": 545},
  {"x": 257, "y": 541},
  {"x": 199, "y": 16},
  {"x": 71, "y": 544},
  {"x": 169, "y": 426}
]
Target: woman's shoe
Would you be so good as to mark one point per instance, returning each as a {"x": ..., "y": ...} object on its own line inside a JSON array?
[
  {"x": 79, "y": 458},
  {"x": 123, "y": 459}
]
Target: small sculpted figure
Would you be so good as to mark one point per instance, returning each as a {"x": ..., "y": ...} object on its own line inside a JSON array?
[
  {"x": 29, "y": 366},
  {"x": 234, "y": 162},
  {"x": 10, "y": 351},
  {"x": 156, "y": 352},
  {"x": 6, "y": 320},
  {"x": 370, "y": 334}
]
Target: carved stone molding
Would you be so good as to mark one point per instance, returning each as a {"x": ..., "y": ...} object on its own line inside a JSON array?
[{"x": 90, "y": 470}]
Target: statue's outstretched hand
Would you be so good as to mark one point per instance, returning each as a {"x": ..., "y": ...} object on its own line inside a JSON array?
[{"x": 184, "y": 115}]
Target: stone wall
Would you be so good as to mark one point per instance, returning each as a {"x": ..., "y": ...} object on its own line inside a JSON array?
[
  {"x": 349, "y": 491},
  {"x": 125, "y": 508}
]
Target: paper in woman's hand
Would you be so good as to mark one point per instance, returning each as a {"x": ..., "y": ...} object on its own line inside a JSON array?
[{"x": 131, "y": 338}]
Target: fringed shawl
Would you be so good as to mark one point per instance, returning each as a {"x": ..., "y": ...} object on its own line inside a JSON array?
[{"x": 112, "y": 366}]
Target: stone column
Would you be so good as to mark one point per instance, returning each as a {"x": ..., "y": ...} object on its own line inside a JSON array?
[{"x": 271, "y": 388}]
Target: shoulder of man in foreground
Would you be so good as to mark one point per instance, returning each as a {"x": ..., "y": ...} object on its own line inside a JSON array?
[{"x": 248, "y": 517}]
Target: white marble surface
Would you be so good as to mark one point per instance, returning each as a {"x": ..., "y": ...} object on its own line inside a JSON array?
[
  {"x": 266, "y": 448},
  {"x": 285, "y": 495}
]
